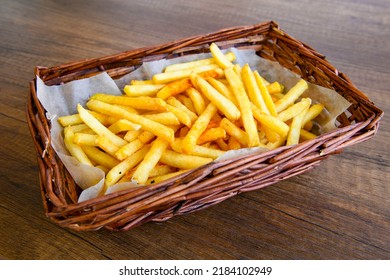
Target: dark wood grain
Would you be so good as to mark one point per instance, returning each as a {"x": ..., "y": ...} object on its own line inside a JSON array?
[{"x": 339, "y": 210}]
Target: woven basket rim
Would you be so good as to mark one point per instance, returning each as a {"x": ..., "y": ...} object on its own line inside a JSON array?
[{"x": 65, "y": 213}]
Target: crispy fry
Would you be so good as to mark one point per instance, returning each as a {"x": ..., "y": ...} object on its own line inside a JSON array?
[
  {"x": 98, "y": 128},
  {"x": 197, "y": 100},
  {"x": 245, "y": 107},
  {"x": 196, "y": 63},
  {"x": 174, "y": 88},
  {"x": 85, "y": 139},
  {"x": 130, "y": 148},
  {"x": 198, "y": 128},
  {"x": 197, "y": 150},
  {"x": 233, "y": 144},
  {"x": 271, "y": 122},
  {"x": 223, "y": 89},
  {"x": 149, "y": 125},
  {"x": 160, "y": 178},
  {"x": 141, "y": 82},
  {"x": 312, "y": 113},
  {"x": 106, "y": 145},
  {"x": 293, "y": 94},
  {"x": 151, "y": 159},
  {"x": 295, "y": 128},
  {"x": 166, "y": 118},
  {"x": 142, "y": 90},
  {"x": 122, "y": 125},
  {"x": 265, "y": 94},
  {"x": 70, "y": 120},
  {"x": 120, "y": 170},
  {"x": 306, "y": 135},
  {"x": 74, "y": 149},
  {"x": 139, "y": 102},
  {"x": 275, "y": 87},
  {"x": 253, "y": 89},
  {"x": 132, "y": 135},
  {"x": 183, "y": 161},
  {"x": 176, "y": 103},
  {"x": 181, "y": 115},
  {"x": 222, "y": 103},
  {"x": 222, "y": 144},
  {"x": 294, "y": 110},
  {"x": 100, "y": 157},
  {"x": 163, "y": 78},
  {"x": 234, "y": 131},
  {"x": 211, "y": 134},
  {"x": 186, "y": 101},
  {"x": 219, "y": 57}
]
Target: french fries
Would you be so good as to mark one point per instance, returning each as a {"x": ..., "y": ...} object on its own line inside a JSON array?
[{"x": 185, "y": 117}]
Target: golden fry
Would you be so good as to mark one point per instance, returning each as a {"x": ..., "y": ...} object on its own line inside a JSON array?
[
  {"x": 197, "y": 150},
  {"x": 163, "y": 78},
  {"x": 234, "y": 131},
  {"x": 275, "y": 87},
  {"x": 291, "y": 96},
  {"x": 253, "y": 89},
  {"x": 99, "y": 128},
  {"x": 271, "y": 122},
  {"x": 223, "y": 89},
  {"x": 166, "y": 118},
  {"x": 100, "y": 157},
  {"x": 106, "y": 145},
  {"x": 120, "y": 170},
  {"x": 122, "y": 125},
  {"x": 225, "y": 105},
  {"x": 160, "y": 178},
  {"x": 150, "y": 160},
  {"x": 245, "y": 107},
  {"x": 219, "y": 57},
  {"x": 174, "y": 88},
  {"x": 182, "y": 116},
  {"x": 176, "y": 103},
  {"x": 294, "y": 110},
  {"x": 265, "y": 94},
  {"x": 306, "y": 135},
  {"x": 295, "y": 128},
  {"x": 186, "y": 101},
  {"x": 211, "y": 134},
  {"x": 74, "y": 149},
  {"x": 312, "y": 113},
  {"x": 198, "y": 128},
  {"x": 85, "y": 139},
  {"x": 197, "y": 100},
  {"x": 140, "y": 102},
  {"x": 142, "y": 90},
  {"x": 183, "y": 161},
  {"x": 146, "y": 124},
  {"x": 193, "y": 64}
]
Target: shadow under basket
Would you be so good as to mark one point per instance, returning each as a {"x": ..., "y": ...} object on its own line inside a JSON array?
[{"x": 211, "y": 183}]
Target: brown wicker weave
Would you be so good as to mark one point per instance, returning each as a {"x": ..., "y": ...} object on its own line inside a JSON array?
[{"x": 216, "y": 181}]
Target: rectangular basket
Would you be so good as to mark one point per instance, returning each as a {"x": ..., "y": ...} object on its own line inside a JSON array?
[{"x": 214, "y": 182}]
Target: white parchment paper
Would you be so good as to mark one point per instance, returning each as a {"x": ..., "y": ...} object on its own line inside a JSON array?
[{"x": 62, "y": 100}]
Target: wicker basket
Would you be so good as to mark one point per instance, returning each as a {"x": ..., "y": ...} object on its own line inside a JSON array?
[{"x": 212, "y": 183}]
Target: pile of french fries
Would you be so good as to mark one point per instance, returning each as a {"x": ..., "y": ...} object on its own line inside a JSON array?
[{"x": 185, "y": 117}]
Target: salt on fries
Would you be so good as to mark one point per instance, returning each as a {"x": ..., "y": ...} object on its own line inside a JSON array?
[{"x": 185, "y": 117}]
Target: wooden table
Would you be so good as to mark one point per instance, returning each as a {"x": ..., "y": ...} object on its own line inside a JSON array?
[{"x": 339, "y": 210}]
